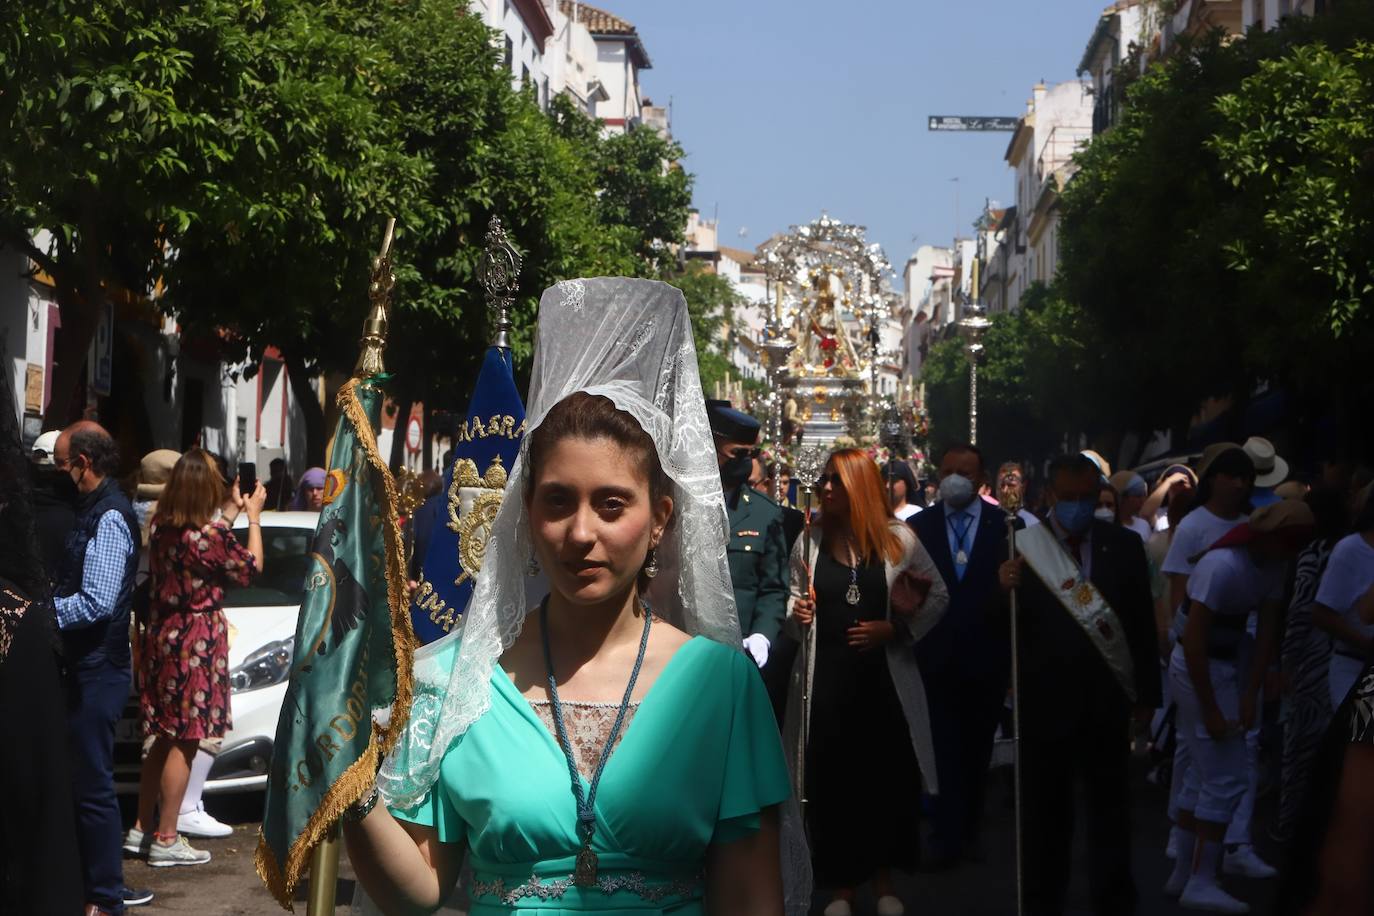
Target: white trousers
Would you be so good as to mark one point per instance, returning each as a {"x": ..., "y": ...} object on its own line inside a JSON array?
[{"x": 1217, "y": 776}]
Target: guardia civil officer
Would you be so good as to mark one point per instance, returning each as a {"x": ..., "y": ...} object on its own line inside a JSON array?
[{"x": 757, "y": 549}]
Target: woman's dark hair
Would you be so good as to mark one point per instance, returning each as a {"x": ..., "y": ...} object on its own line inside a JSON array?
[
  {"x": 1329, "y": 508},
  {"x": 1233, "y": 463},
  {"x": 591, "y": 416},
  {"x": 900, "y": 470}
]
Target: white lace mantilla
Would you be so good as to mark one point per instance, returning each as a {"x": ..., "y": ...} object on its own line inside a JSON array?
[
  {"x": 588, "y": 726},
  {"x": 629, "y": 341}
]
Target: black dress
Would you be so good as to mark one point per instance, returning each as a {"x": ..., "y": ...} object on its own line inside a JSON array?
[{"x": 862, "y": 779}]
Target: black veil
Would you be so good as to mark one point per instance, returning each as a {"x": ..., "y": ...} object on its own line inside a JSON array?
[{"x": 19, "y": 558}]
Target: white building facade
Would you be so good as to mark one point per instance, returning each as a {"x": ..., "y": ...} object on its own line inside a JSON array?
[
  {"x": 620, "y": 56},
  {"x": 1057, "y": 123}
]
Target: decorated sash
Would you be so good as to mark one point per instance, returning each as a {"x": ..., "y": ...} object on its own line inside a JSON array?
[{"x": 1085, "y": 604}]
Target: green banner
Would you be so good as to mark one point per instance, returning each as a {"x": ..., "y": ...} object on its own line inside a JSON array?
[{"x": 352, "y": 652}]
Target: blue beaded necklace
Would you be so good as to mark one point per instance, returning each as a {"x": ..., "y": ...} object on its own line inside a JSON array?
[{"x": 584, "y": 875}]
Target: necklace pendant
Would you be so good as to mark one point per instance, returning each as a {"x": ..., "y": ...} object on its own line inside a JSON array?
[
  {"x": 584, "y": 875},
  {"x": 852, "y": 595},
  {"x": 961, "y": 558}
]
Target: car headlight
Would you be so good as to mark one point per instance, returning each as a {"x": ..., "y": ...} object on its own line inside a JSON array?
[{"x": 268, "y": 665}]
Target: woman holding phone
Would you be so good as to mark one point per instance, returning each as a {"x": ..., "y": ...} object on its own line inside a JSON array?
[{"x": 184, "y": 672}]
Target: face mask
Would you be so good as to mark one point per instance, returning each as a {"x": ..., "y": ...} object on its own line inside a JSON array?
[
  {"x": 957, "y": 490},
  {"x": 59, "y": 484},
  {"x": 1075, "y": 517},
  {"x": 1105, "y": 515},
  {"x": 735, "y": 471}
]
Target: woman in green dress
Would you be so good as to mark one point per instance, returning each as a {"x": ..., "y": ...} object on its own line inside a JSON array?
[{"x": 607, "y": 749}]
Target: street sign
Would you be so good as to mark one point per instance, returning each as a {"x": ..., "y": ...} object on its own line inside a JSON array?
[
  {"x": 413, "y": 434},
  {"x": 971, "y": 122}
]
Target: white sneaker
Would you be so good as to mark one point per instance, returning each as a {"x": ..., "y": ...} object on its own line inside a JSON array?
[
  {"x": 1178, "y": 878},
  {"x": 200, "y": 824},
  {"x": 839, "y": 908},
  {"x": 890, "y": 906},
  {"x": 1205, "y": 895},
  {"x": 1246, "y": 863},
  {"x": 179, "y": 852},
  {"x": 136, "y": 842}
]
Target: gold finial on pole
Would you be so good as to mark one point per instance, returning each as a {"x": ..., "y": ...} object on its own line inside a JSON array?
[
  {"x": 373, "y": 342},
  {"x": 500, "y": 276}
]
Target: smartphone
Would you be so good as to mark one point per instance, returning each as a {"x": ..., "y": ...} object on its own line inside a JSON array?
[{"x": 248, "y": 477}]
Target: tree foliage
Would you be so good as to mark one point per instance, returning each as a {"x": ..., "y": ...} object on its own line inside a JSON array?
[
  {"x": 1028, "y": 384},
  {"x": 244, "y": 157},
  {"x": 1215, "y": 240}
]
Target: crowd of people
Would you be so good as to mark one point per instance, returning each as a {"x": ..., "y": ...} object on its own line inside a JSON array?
[
  {"x": 841, "y": 672},
  {"x": 115, "y": 588},
  {"x": 1236, "y": 594}
]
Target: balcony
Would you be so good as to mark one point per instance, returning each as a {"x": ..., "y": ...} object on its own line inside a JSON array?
[{"x": 1056, "y": 154}]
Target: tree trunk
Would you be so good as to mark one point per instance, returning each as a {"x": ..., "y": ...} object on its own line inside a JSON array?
[
  {"x": 316, "y": 437},
  {"x": 398, "y": 432}
]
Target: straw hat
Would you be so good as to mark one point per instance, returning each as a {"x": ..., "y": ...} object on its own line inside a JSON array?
[
  {"x": 1129, "y": 483},
  {"x": 1270, "y": 469},
  {"x": 1286, "y": 513},
  {"x": 1103, "y": 464},
  {"x": 1293, "y": 489},
  {"x": 1211, "y": 453},
  {"x": 154, "y": 470}
]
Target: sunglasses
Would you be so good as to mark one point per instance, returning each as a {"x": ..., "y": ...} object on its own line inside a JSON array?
[
  {"x": 832, "y": 479},
  {"x": 745, "y": 452}
]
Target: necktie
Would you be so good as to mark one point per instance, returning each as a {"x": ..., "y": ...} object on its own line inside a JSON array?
[{"x": 960, "y": 523}]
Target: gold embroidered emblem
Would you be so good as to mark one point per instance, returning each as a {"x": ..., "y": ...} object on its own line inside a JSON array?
[
  {"x": 334, "y": 483},
  {"x": 473, "y": 524},
  {"x": 1083, "y": 594}
]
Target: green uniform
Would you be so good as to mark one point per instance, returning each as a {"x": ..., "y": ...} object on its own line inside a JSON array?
[{"x": 758, "y": 563}]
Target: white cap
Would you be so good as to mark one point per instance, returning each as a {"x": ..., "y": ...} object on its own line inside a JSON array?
[{"x": 44, "y": 446}]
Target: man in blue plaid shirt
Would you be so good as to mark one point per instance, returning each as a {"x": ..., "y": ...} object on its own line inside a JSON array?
[{"x": 93, "y": 598}]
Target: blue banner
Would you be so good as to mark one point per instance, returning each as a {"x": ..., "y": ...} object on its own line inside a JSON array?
[{"x": 484, "y": 450}]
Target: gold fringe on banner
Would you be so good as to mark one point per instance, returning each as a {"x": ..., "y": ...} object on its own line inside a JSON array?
[{"x": 362, "y": 773}]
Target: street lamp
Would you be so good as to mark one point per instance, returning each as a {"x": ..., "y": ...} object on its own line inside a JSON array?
[
  {"x": 973, "y": 325},
  {"x": 775, "y": 349}
]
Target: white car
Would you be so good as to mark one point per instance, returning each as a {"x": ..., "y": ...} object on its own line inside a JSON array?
[{"x": 262, "y": 633}]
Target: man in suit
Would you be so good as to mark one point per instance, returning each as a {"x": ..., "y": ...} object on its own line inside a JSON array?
[
  {"x": 1084, "y": 674},
  {"x": 966, "y": 657},
  {"x": 757, "y": 550}
]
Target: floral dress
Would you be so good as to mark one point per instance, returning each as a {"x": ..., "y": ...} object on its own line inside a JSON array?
[{"x": 184, "y": 676}]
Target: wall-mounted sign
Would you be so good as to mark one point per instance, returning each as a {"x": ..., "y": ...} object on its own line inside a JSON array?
[
  {"x": 971, "y": 122},
  {"x": 33, "y": 389}
]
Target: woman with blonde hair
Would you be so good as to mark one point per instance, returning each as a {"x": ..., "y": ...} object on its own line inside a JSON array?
[
  {"x": 867, "y": 585},
  {"x": 184, "y": 670}
]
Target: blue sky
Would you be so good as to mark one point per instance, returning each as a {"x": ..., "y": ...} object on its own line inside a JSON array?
[{"x": 786, "y": 108}]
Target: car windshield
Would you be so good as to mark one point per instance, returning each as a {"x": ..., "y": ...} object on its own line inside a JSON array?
[{"x": 286, "y": 563}]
